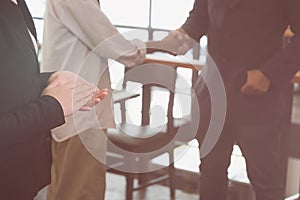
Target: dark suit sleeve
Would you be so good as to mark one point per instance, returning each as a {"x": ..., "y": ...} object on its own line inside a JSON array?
[
  {"x": 36, "y": 117},
  {"x": 44, "y": 80},
  {"x": 197, "y": 23},
  {"x": 283, "y": 66}
]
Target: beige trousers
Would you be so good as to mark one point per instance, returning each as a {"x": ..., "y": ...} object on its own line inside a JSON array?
[{"x": 75, "y": 173}]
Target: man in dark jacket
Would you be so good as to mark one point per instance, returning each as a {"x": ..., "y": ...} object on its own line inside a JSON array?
[
  {"x": 245, "y": 42},
  {"x": 31, "y": 105}
]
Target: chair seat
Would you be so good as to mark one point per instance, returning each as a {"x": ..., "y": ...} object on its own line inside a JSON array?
[{"x": 139, "y": 139}]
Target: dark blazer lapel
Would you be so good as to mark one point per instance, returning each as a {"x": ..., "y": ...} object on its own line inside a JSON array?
[
  {"x": 21, "y": 29},
  {"x": 27, "y": 17}
]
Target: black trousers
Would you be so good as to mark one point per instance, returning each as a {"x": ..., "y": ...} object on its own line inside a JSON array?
[
  {"x": 263, "y": 140},
  {"x": 263, "y": 148}
]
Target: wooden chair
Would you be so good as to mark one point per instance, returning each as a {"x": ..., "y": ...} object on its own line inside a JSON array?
[{"x": 132, "y": 147}]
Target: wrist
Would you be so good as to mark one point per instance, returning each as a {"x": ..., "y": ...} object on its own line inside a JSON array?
[
  {"x": 181, "y": 30},
  {"x": 153, "y": 46}
]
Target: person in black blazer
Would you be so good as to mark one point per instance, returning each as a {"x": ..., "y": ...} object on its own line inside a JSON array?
[
  {"x": 31, "y": 105},
  {"x": 245, "y": 43}
]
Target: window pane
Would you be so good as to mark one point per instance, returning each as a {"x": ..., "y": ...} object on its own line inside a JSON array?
[
  {"x": 134, "y": 33},
  {"x": 39, "y": 25},
  {"x": 129, "y": 12},
  {"x": 36, "y": 7},
  {"x": 170, "y": 14},
  {"x": 158, "y": 35}
]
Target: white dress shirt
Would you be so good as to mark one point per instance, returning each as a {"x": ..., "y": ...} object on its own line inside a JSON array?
[{"x": 80, "y": 38}]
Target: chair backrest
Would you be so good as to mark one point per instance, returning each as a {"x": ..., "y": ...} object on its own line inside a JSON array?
[{"x": 153, "y": 76}]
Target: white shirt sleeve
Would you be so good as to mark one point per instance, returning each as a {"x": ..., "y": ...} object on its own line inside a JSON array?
[{"x": 85, "y": 20}]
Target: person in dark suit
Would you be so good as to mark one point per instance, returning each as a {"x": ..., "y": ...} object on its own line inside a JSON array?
[
  {"x": 31, "y": 104},
  {"x": 245, "y": 42}
]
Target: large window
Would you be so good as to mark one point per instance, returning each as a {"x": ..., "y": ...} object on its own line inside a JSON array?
[{"x": 151, "y": 17}]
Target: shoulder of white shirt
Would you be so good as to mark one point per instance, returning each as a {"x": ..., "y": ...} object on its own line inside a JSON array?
[{"x": 14, "y": 1}]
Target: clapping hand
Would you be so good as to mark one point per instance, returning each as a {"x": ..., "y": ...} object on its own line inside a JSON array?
[{"x": 73, "y": 92}]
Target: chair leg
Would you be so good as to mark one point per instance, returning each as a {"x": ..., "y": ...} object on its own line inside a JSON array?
[
  {"x": 171, "y": 181},
  {"x": 142, "y": 178},
  {"x": 171, "y": 170},
  {"x": 129, "y": 186}
]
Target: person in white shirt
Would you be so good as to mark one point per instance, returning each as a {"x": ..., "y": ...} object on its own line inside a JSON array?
[{"x": 80, "y": 38}]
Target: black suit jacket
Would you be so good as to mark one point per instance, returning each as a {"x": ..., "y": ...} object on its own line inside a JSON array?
[
  {"x": 244, "y": 35},
  {"x": 25, "y": 117}
]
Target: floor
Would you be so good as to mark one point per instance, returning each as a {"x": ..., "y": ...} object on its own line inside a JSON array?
[
  {"x": 116, "y": 191},
  {"x": 116, "y": 184}
]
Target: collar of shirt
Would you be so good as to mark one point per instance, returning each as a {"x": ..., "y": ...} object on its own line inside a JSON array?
[{"x": 14, "y": 1}]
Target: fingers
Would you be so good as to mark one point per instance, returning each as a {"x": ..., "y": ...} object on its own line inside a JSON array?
[
  {"x": 81, "y": 100},
  {"x": 250, "y": 89},
  {"x": 83, "y": 91},
  {"x": 102, "y": 94},
  {"x": 85, "y": 108},
  {"x": 89, "y": 105},
  {"x": 87, "y": 96},
  {"x": 73, "y": 92},
  {"x": 256, "y": 84},
  {"x": 183, "y": 48},
  {"x": 97, "y": 98},
  {"x": 52, "y": 77},
  {"x": 53, "y": 81},
  {"x": 180, "y": 42}
]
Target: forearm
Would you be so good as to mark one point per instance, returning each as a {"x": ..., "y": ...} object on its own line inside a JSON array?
[
  {"x": 154, "y": 46},
  {"x": 197, "y": 23},
  {"x": 135, "y": 56},
  {"x": 97, "y": 32},
  {"x": 38, "y": 116},
  {"x": 282, "y": 66}
]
